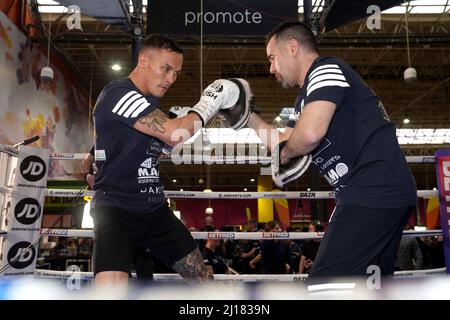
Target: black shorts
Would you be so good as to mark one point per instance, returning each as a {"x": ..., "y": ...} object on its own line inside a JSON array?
[
  {"x": 358, "y": 237},
  {"x": 119, "y": 232}
]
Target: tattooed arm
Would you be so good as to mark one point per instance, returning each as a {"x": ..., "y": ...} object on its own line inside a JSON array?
[
  {"x": 169, "y": 131},
  {"x": 192, "y": 267}
]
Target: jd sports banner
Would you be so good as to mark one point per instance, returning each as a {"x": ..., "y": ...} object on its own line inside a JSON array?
[
  {"x": 443, "y": 176},
  {"x": 220, "y": 17},
  {"x": 24, "y": 218}
]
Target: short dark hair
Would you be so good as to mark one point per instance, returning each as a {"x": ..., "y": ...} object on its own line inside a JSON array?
[
  {"x": 159, "y": 41},
  {"x": 294, "y": 30}
]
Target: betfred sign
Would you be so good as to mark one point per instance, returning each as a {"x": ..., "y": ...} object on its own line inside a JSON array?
[{"x": 219, "y": 17}]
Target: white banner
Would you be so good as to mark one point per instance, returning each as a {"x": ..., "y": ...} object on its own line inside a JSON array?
[{"x": 24, "y": 220}]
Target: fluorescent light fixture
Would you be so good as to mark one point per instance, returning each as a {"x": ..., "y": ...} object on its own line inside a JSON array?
[
  {"x": 418, "y": 7},
  {"x": 116, "y": 67},
  {"x": 423, "y": 136}
]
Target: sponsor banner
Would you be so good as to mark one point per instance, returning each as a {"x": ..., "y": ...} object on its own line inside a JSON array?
[
  {"x": 219, "y": 17},
  {"x": 26, "y": 210},
  {"x": 220, "y": 235},
  {"x": 443, "y": 176},
  {"x": 273, "y": 235},
  {"x": 20, "y": 253},
  {"x": 67, "y": 156},
  {"x": 250, "y": 195},
  {"x": 55, "y": 232},
  {"x": 25, "y": 216},
  {"x": 70, "y": 193}
]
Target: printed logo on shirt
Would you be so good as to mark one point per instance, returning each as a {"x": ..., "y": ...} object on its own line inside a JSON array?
[
  {"x": 131, "y": 105},
  {"x": 322, "y": 164},
  {"x": 154, "y": 148},
  {"x": 100, "y": 155},
  {"x": 333, "y": 175},
  {"x": 148, "y": 171}
]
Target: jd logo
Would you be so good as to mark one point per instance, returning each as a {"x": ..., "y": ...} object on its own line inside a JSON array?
[
  {"x": 27, "y": 211},
  {"x": 21, "y": 255},
  {"x": 32, "y": 168}
]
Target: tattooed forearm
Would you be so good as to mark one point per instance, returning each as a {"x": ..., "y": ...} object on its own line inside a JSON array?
[
  {"x": 155, "y": 120},
  {"x": 192, "y": 267}
]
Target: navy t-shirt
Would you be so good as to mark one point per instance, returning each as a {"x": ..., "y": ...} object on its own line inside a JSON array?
[
  {"x": 359, "y": 156},
  {"x": 127, "y": 160}
]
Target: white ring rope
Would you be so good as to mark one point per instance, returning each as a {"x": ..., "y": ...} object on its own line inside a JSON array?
[
  {"x": 229, "y": 195},
  {"x": 226, "y": 159},
  {"x": 89, "y": 233},
  {"x": 53, "y": 274},
  {"x": 257, "y": 159}
]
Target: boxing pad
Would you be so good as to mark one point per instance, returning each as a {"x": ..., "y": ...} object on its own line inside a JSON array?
[
  {"x": 283, "y": 174},
  {"x": 237, "y": 115},
  {"x": 221, "y": 93}
]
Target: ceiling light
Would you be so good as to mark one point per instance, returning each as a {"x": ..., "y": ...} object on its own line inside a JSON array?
[
  {"x": 116, "y": 67},
  {"x": 174, "y": 180},
  {"x": 245, "y": 189},
  {"x": 406, "y": 121},
  {"x": 252, "y": 180}
]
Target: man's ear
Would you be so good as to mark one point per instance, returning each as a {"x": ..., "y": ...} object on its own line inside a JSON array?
[
  {"x": 293, "y": 47},
  {"x": 142, "y": 61}
]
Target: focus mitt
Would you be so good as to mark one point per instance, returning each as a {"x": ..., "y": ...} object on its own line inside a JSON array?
[
  {"x": 237, "y": 115},
  {"x": 283, "y": 174}
]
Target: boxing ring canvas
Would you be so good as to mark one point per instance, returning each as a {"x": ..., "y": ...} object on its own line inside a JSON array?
[{"x": 57, "y": 112}]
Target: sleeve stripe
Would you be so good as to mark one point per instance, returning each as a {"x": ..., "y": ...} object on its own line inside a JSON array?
[
  {"x": 140, "y": 109},
  {"x": 328, "y": 83},
  {"x": 329, "y": 70},
  {"x": 334, "y": 66},
  {"x": 328, "y": 76},
  {"x": 126, "y": 105},
  {"x": 134, "y": 106},
  {"x": 122, "y": 100}
]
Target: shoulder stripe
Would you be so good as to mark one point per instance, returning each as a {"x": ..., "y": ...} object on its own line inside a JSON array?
[
  {"x": 122, "y": 100},
  {"x": 134, "y": 106},
  {"x": 328, "y": 70},
  {"x": 127, "y": 104},
  {"x": 324, "y": 77},
  {"x": 140, "y": 109},
  {"x": 334, "y": 66},
  {"x": 328, "y": 83}
]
